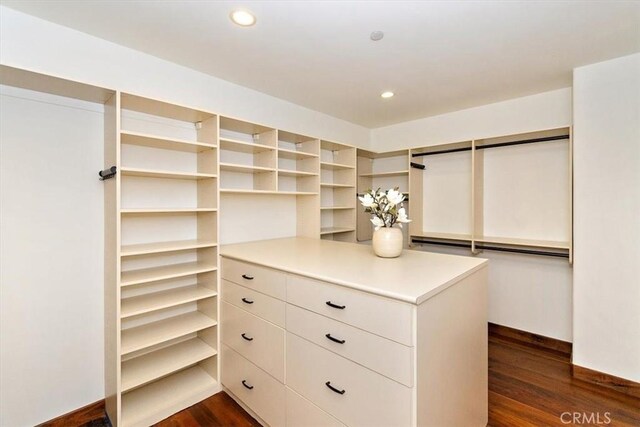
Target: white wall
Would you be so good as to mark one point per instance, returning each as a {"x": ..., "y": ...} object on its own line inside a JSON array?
[
  {"x": 51, "y": 268},
  {"x": 37, "y": 45},
  {"x": 525, "y": 292},
  {"x": 607, "y": 217},
  {"x": 546, "y": 110}
]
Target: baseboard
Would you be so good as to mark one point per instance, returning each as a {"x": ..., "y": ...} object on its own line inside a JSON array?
[
  {"x": 622, "y": 385},
  {"x": 559, "y": 347},
  {"x": 79, "y": 417}
]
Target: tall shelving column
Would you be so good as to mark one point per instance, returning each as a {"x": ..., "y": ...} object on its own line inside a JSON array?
[
  {"x": 165, "y": 299},
  {"x": 338, "y": 191}
]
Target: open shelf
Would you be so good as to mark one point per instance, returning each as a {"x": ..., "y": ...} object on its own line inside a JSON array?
[
  {"x": 532, "y": 243},
  {"x": 148, "y": 335},
  {"x": 126, "y": 171},
  {"x": 267, "y": 192},
  {"x": 159, "y": 247},
  {"x": 160, "y": 363},
  {"x": 243, "y": 147},
  {"x": 335, "y": 230},
  {"x": 295, "y": 154},
  {"x": 231, "y": 167},
  {"x": 335, "y": 166},
  {"x": 146, "y": 275},
  {"x": 332, "y": 185},
  {"x": 285, "y": 172},
  {"x": 443, "y": 236},
  {"x": 163, "y": 143},
  {"x": 147, "y": 303},
  {"x": 156, "y": 401},
  {"x": 144, "y": 211},
  {"x": 335, "y": 207},
  {"x": 385, "y": 174}
]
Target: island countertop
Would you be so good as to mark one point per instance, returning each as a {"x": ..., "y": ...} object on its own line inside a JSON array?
[{"x": 414, "y": 277}]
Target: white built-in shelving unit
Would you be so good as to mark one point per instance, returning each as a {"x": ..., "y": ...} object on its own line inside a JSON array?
[{"x": 338, "y": 191}]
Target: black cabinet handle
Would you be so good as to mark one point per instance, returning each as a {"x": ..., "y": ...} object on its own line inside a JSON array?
[
  {"x": 335, "y": 339},
  {"x": 246, "y": 276},
  {"x": 247, "y": 301},
  {"x": 328, "y": 384},
  {"x": 243, "y": 335},
  {"x": 244, "y": 383},
  {"x": 340, "y": 307}
]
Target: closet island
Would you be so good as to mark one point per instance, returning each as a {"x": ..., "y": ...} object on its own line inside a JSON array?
[{"x": 317, "y": 332}]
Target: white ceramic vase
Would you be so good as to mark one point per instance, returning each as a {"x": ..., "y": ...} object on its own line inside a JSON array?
[{"x": 387, "y": 242}]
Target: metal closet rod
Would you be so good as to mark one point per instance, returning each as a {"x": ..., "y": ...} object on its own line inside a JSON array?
[
  {"x": 498, "y": 144},
  {"x": 492, "y": 248}
]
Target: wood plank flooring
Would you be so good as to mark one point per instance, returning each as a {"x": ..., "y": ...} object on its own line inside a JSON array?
[{"x": 528, "y": 386}]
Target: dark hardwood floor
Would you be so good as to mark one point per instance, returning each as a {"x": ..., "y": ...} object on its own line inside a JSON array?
[{"x": 528, "y": 386}]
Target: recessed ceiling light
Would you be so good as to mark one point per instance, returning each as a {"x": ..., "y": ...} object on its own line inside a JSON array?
[
  {"x": 376, "y": 36},
  {"x": 387, "y": 94},
  {"x": 243, "y": 17}
]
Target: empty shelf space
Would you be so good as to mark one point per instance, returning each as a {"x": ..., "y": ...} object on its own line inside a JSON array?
[
  {"x": 156, "y": 141},
  {"x": 336, "y": 207},
  {"x": 549, "y": 244},
  {"x": 232, "y": 167},
  {"x": 248, "y": 191},
  {"x": 160, "y": 363},
  {"x": 142, "y": 304},
  {"x": 335, "y": 230},
  {"x": 243, "y": 147},
  {"x": 153, "y": 333},
  {"x": 335, "y": 166},
  {"x": 144, "y": 211},
  {"x": 286, "y": 172},
  {"x": 146, "y": 275},
  {"x": 148, "y": 173},
  {"x": 332, "y": 185},
  {"x": 159, "y": 247},
  {"x": 294, "y": 154},
  {"x": 156, "y": 401},
  {"x": 383, "y": 174},
  {"x": 443, "y": 236}
]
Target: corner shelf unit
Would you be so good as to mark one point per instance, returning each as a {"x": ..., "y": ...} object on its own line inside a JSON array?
[
  {"x": 338, "y": 191},
  {"x": 380, "y": 170},
  {"x": 509, "y": 193},
  {"x": 161, "y": 259}
]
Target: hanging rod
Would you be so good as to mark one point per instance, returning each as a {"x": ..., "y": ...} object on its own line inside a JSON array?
[
  {"x": 523, "y": 141},
  {"x": 108, "y": 173},
  {"x": 492, "y": 248}
]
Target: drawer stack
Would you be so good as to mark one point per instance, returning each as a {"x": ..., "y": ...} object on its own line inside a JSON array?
[
  {"x": 253, "y": 337},
  {"x": 301, "y": 352}
]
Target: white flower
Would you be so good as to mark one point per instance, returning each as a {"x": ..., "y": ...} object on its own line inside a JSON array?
[
  {"x": 402, "y": 216},
  {"x": 377, "y": 222},
  {"x": 395, "y": 197},
  {"x": 367, "y": 200}
]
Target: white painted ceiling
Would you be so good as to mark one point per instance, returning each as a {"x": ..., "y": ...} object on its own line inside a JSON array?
[{"x": 437, "y": 56}]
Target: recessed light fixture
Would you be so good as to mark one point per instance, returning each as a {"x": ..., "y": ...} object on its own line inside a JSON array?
[
  {"x": 387, "y": 94},
  {"x": 376, "y": 36},
  {"x": 243, "y": 17}
]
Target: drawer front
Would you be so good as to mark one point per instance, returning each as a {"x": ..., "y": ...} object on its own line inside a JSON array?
[
  {"x": 381, "y": 316},
  {"x": 262, "y": 279},
  {"x": 302, "y": 413},
  {"x": 258, "y": 340},
  {"x": 259, "y": 391},
  {"x": 387, "y": 357},
  {"x": 369, "y": 399},
  {"x": 261, "y": 305}
]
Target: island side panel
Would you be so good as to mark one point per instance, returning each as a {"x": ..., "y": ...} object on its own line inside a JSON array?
[{"x": 452, "y": 355}]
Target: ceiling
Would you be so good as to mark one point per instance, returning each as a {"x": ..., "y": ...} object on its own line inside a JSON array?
[{"x": 437, "y": 56}]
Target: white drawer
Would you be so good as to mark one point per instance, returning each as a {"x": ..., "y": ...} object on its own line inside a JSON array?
[
  {"x": 258, "y": 340},
  {"x": 367, "y": 399},
  {"x": 302, "y": 413},
  {"x": 372, "y": 351},
  {"x": 259, "y": 391},
  {"x": 261, "y": 305},
  {"x": 381, "y": 316},
  {"x": 262, "y": 279}
]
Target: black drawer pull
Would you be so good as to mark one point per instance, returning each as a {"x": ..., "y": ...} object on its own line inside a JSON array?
[
  {"x": 243, "y": 335},
  {"x": 335, "y": 339},
  {"x": 328, "y": 384},
  {"x": 247, "y": 301},
  {"x": 340, "y": 307},
  {"x": 246, "y": 276},
  {"x": 244, "y": 383}
]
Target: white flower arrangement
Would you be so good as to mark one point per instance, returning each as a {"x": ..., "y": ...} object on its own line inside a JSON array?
[{"x": 386, "y": 207}]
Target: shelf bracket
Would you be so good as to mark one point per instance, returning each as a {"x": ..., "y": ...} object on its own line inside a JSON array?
[{"x": 108, "y": 173}]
